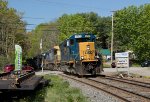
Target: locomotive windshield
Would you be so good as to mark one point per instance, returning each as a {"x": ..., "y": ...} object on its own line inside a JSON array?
[{"x": 83, "y": 40}]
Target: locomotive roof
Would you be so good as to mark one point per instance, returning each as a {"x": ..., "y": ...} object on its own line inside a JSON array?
[{"x": 82, "y": 35}]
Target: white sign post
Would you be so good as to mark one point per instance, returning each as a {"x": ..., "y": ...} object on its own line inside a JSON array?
[{"x": 122, "y": 60}]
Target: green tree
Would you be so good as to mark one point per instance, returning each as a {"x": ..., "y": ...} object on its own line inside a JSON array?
[
  {"x": 11, "y": 26},
  {"x": 103, "y": 30},
  {"x": 132, "y": 25},
  {"x": 71, "y": 24},
  {"x": 101, "y": 27},
  {"x": 49, "y": 34}
]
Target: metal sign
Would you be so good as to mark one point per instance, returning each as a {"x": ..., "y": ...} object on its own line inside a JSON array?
[
  {"x": 123, "y": 54},
  {"x": 122, "y": 59},
  {"x": 18, "y": 57}
]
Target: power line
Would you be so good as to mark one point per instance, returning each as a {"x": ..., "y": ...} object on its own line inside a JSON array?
[
  {"x": 33, "y": 18},
  {"x": 16, "y": 23},
  {"x": 60, "y": 3}
]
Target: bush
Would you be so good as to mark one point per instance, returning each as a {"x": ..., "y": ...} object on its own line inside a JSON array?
[{"x": 3, "y": 61}]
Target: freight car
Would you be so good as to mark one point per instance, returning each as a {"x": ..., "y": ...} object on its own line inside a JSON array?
[
  {"x": 35, "y": 62},
  {"x": 51, "y": 59},
  {"x": 78, "y": 55}
]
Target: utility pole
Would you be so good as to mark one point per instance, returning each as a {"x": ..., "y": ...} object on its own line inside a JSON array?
[
  {"x": 41, "y": 54},
  {"x": 112, "y": 36}
]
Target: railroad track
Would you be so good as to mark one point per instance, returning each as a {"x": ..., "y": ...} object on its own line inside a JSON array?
[
  {"x": 133, "y": 82},
  {"x": 136, "y": 87},
  {"x": 119, "y": 92}
]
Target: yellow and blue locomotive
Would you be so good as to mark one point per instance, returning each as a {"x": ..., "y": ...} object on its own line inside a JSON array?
[
  {"x": 78, "y": 55},
  {"x": 51, "y": 59}
]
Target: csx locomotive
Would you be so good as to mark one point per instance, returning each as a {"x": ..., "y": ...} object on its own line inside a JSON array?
[
  {"x": 79, "y": 56},
  {"x": 51, "y": 59}
]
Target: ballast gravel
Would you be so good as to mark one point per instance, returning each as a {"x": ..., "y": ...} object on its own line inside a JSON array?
[{"x": 92, "y": 94}]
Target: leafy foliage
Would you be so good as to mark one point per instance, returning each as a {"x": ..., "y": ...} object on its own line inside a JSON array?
[
  {"x": 48, "y": 33},
  {"x": 101, "y": 27},
  {"x": 71, "y": 24},
  {"x": 132, "y": 27},
  {"x": 88, "y": 23},
  {"x": 12, "y": 30}
]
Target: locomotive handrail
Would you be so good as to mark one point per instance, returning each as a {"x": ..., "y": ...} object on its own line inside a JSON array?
[{"x": 76, "y": 56}]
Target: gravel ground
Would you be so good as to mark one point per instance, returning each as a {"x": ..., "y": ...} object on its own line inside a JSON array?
[
  {"x": 134, "y": 88},
  {"x": 47, "y": 72},
  {"x": 142, "y": 71},
  {"x": 92, "y": 94}
]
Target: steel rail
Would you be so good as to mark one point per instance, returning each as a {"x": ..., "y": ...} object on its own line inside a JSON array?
[
  {"x": 129, "y": 80},
  {"x": 133, "y": 82},
  {"x": 146, "y": 97}
]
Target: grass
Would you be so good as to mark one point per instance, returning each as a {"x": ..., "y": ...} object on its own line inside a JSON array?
[
  {"x": 59, "y": 91},
  {"x": 105, "y": 65},
  {"x": 1, "y": 71},
  {"x": 136, "y": 65}
]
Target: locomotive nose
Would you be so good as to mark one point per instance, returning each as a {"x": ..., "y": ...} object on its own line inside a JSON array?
[{"x": 87, "y": 50}]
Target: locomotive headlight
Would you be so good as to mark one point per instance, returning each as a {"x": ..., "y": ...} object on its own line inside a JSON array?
[
  {"x": 82, "y": 57},
  {"x": 97, "y": 56},
  {"x": 88, "y": 47}
]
